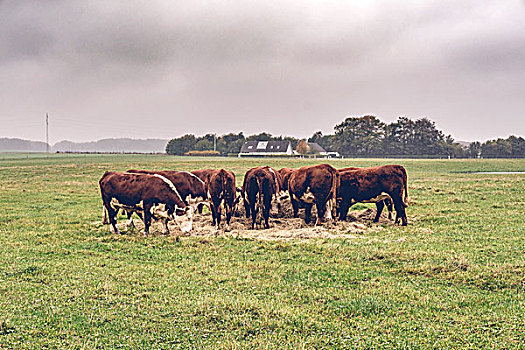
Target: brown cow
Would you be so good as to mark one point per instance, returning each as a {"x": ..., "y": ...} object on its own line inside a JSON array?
[
  {"x": 149, "y": 195},
  {"x": 314, "y": 183},
  {"x": 365, "y": 183},
  {"x": 260, "y": 185},
  {"x": 285, "y": 176},
  {"x": 191, "y": 188},
  {"x": 204, "y": 175},
  {"x": 222, "y": 192},
  {"x": 381, "y": 201}
]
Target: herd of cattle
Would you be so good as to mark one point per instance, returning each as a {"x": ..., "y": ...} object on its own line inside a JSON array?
[{"x": 176, "y": 195}]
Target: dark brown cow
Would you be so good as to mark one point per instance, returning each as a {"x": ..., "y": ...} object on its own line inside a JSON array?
[
  {"x": 221, "y": 192},
  {"x": 204, "y": 175},
  {"x": 149, "y": 195},
  {"x": 260, "y": 185},
  {"x": 365, "y": 183},
  {"x": 314, "y": 183},
  {"x": 381, "y": 201}
]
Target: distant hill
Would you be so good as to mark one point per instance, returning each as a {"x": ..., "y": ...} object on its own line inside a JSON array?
[
  {"x": 114, "y": 145},
  {"x": 19, "y": 145},
  {"x": 104, "y": 145}
]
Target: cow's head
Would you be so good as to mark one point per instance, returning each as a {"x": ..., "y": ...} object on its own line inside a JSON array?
[{"x": 184, "y": 218}]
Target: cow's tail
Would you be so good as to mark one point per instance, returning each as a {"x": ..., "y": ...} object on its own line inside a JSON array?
[
  {"x": 335, "y": 184},
  {"x": 405, "y": 184},
  {"x": 333, "y": 193},
  {"x": 260, "y": 189}
]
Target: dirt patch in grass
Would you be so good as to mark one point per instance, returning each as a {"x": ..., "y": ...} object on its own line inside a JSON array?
[{"x": 283, "y": 226}]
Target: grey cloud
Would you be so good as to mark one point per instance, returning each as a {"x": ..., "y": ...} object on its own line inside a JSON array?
[{"x": 218, "y": 62}]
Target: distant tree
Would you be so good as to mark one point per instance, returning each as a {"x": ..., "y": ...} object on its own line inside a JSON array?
[
  {"x": 420, "y": 137},
  {"x": 517, "y": 145},
  {"x": 302, "y": 147},
  {"x": 452, "y": 149},
  {"x": 511, "y": 147},
  {"x": 204, "y": 144},
  {"x": 359, "y": 135},
  {"x": 181, "y": 145},
  {"x": 264, "y": 136},
  {"x": 230, "y": 143},
  {"x": 316, "y": 137},
  {"x": 474, "y": 149}
]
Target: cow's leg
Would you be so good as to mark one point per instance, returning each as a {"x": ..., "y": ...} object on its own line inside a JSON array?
[
  {"x": 307, "y": 212},
  {"x": 105, "y": 219},
  {"x": 166, "y": 228},
  {"x": 247, "y": 208},
  {"x": 229, "y": 212},
  {"x": 295, "y": 207},
  {"x": 266, "y": 214},
  {"x": 199, "y": 208},
  {"x": 343, "y": 209},
  {"x": 379, "y": 205},
  {"x": 147, "y": 218},
  {"x": 333, "y": 206},
  {"x": 130, "y": 222},
  {"x": 320, "y": 204},
  {"x": 213, "y": 214},
  {"x": 112, "y": 215},
  {"x": 218, "y": 214},
  {"x": 254, "y": 214}
]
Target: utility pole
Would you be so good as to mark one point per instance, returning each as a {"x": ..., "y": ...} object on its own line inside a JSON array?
[
  {"x": 215, "y": 142},
  {"x": 47, "y": 133}
]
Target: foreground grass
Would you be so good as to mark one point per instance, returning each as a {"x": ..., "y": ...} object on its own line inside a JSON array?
[{"x": 454, "y": 278}]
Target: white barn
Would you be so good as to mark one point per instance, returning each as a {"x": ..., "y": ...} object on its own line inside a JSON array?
[{"x": 266, "y": 148}]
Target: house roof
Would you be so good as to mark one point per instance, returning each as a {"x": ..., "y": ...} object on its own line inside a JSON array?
[
  {"x": 265, "y": 147},
  {"x": 315, "y": 147}
]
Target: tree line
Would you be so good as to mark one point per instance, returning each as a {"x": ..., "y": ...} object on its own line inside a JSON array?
[{"x": 365, "y": 136}]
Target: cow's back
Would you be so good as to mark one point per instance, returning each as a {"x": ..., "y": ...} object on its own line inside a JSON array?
[{"x": 318, "y": 179}]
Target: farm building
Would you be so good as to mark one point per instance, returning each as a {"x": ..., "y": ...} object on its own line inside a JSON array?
[
  {"x": 313, "y": 149},
  {"x": 266, "y": 148}
]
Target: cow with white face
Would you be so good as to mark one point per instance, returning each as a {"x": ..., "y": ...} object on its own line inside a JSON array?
[{"x": 150, "y": 196}]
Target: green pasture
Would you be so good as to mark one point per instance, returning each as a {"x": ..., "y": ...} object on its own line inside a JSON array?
[{"x": 454, "y": 278}]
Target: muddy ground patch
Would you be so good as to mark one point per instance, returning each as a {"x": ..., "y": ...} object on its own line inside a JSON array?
[{"x": 283, "y": 226}]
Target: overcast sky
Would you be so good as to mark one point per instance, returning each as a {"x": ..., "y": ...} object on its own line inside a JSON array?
[{"x": 162, "y": 68}]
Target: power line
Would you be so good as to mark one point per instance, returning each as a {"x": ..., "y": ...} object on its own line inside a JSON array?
[{"x": 47, "y": 133}]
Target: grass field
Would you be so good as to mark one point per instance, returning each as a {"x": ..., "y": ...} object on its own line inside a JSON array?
[{"x": 454, "y": 278}]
